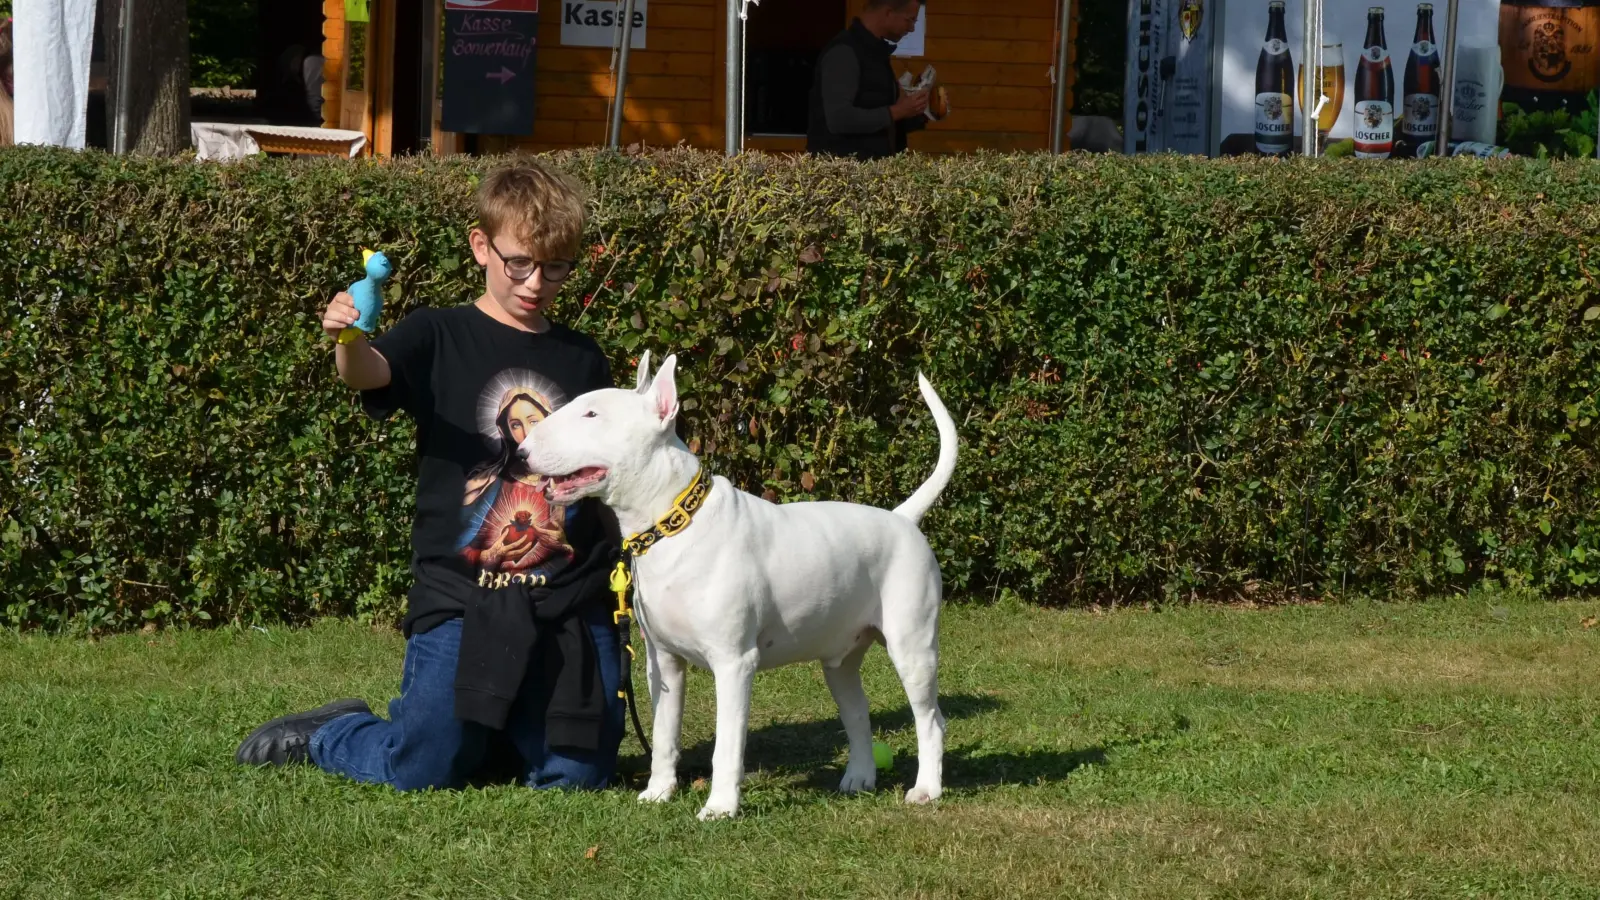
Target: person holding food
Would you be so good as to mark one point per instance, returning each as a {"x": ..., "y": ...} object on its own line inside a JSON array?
[{"x": 858, "y": 108}]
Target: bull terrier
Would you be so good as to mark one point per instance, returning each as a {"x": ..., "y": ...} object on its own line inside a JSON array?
[{"x": 735, "y": 584}]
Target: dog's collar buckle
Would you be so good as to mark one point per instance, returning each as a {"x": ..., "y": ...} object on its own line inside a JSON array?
[{"x": 676, "y": 519}]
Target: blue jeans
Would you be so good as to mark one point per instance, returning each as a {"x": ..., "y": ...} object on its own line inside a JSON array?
[{"x": 423, "y": 745}]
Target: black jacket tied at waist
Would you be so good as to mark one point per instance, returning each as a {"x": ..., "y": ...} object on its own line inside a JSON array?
[{"x": 503, "y": 630}]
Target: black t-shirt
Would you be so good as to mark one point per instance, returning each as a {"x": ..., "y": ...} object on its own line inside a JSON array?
[{"x": 474, "y": 386}]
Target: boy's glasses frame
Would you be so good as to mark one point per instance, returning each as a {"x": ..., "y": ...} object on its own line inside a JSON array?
[{"x": 519, "y": 268}]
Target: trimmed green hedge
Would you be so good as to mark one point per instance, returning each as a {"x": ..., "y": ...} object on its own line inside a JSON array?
[{"x": 1173, "y": 378}]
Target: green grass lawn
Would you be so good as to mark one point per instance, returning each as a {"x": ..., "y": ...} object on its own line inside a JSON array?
[{"x": 1447, "y": 749}]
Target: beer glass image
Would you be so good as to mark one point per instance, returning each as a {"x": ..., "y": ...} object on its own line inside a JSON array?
[
  {"x": 1332, "y": 88},
  {"x": 1479, "y": 78}
]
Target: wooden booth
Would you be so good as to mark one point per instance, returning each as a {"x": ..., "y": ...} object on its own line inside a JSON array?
[{"x": 451, "y": 76}]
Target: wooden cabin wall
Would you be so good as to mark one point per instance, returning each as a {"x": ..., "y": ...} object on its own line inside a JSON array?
[
  {"x": 333, "y": 61},
  {"x": 672, "y": 95},
  {"x": 995, "y": 61}
]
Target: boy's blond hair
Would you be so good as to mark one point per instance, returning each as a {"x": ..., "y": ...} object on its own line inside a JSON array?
[{"x": 538, "y": 208}]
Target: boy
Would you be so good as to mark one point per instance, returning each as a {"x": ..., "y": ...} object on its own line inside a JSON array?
[{"x": 508, "y": 628}]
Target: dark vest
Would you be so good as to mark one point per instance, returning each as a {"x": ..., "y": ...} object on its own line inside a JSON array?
[{"x": 877, "y": 88}]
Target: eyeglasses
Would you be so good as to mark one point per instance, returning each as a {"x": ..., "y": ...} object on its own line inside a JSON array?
[{"x": 521, "y": 267}]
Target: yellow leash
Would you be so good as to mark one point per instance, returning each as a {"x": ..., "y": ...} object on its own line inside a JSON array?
[{"x": 677, "y": 519}]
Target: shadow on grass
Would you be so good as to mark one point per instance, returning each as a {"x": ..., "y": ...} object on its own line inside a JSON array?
[{"x": 808, "y": 752}]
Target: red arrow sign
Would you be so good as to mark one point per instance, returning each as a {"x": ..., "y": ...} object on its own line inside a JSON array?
[{"x": 503, "y": 76}]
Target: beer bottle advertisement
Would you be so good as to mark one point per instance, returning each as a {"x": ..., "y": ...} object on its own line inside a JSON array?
[
  {"x": 1420, "y": 109},
  {"x": 1382, "y": 70},
  {"x": 1374, "y": 93},
  {"x": 1275, "y": 87}
]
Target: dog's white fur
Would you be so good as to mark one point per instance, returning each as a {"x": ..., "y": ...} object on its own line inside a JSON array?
[{"x": 752, "y": 585}]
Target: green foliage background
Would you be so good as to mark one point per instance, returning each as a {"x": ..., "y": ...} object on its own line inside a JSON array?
[
  {"x": 222, "y": 43},
  {"x": 1173, "y": 378},
  {"x": 1100, "y": 56}
]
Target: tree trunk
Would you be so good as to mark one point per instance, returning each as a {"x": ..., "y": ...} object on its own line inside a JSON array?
[{"x": 158, "y": 114}]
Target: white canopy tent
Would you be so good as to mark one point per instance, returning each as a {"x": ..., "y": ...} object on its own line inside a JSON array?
[{"x": 52, "y": 40}]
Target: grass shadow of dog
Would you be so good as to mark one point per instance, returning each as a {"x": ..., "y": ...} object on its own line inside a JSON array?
[
  {"x": 791, "y": 749},
  {"x": 807, "y": 753}
]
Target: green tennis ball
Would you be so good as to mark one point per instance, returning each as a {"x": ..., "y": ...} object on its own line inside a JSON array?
[{"x": 882, "y": 755}]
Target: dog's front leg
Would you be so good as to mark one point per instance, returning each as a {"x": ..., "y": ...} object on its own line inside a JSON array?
[
  {"x": 666, "y": 673},
  {"x": 734, "y": 677}
]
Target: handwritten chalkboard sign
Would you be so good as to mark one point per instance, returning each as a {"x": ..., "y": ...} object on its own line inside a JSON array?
[{"x": 489, "y": 52}]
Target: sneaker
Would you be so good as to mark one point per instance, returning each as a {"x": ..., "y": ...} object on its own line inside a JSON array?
[{"x": 287, "y": 739}]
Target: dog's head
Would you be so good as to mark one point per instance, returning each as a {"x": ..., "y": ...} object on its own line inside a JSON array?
[{"x": 606, "y": 438}]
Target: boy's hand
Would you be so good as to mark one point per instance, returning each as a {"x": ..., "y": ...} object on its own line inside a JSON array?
[
  {"x": 341, "y": 314},
  {"x": 360, "y": 364}
]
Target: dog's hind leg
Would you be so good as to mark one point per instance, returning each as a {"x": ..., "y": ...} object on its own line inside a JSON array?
[
  {"x": 666, "y": 673},
  {"x": 734, "y": 676},
  {"x": 844, "y": 681},
  {"x": 911, "y": 635}
]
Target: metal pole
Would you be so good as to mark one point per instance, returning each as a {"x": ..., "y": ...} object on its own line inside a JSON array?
[
  {"x": 120, "y": 140},
  {"x": 1063, "y": 57},
  {"x": 1441, "y": 144},
  {"x": 1310, "y": 77},
  {"x": 733, "y": 97},
  {"x": 622, "y": 74},
  {"x": 1322, "y": 97},
  {"x": 425, "y": 73}
]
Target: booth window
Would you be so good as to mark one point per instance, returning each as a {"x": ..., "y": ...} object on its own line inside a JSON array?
[{"x": 782, "y": 41}]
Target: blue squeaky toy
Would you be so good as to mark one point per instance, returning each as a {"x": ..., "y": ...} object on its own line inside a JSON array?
[{"x": 368, "y": 295}]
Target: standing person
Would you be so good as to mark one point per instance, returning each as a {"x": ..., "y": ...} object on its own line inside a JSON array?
[
  {"x": 509, "y": 632},
  {"x": 857, "y": 107},
  {"x": 8, "y": 135}
]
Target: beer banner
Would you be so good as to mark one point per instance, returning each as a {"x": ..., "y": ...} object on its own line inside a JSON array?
[
  {"x": 1169, "y": 87},
  {"x": 1221, "y": 77},
  {"x": 1383, "y": 70}
]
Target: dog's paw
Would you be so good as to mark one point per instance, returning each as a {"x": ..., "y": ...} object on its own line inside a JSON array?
[
  {"x": 658, "y": 793},
  {"x": 858, "y": 782},
  {"x": 923, "y": 795},
  {"x": 715, "y": 810}
]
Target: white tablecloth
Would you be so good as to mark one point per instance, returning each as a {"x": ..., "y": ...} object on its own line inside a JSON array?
[{"x": 233, "y": 140}]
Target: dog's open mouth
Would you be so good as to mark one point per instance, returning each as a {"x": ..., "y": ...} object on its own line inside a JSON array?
[{"x": 573, "y": 483}]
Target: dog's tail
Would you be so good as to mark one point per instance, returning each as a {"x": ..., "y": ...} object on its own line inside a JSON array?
[{"x": 919, "y": 503}]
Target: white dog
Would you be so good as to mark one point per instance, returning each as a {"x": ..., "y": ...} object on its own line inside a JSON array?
[{"x": 738, "y": 584}]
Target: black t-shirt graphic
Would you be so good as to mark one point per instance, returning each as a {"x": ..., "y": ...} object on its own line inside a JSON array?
[{"x": 475, "y": 386}]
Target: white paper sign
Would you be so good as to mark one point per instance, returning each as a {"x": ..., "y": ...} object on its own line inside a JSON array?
[
  {"x": 596, "y": 23},
  {"x": 911, "y": 44}
]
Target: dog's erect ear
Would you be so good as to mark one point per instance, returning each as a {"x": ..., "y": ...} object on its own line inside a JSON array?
[
  {"x": 642, "y": 379},
  {"x": 664, "y": 391}
]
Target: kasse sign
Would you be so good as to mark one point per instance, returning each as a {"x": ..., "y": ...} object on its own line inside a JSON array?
[{"x": 598, "y": 23}]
